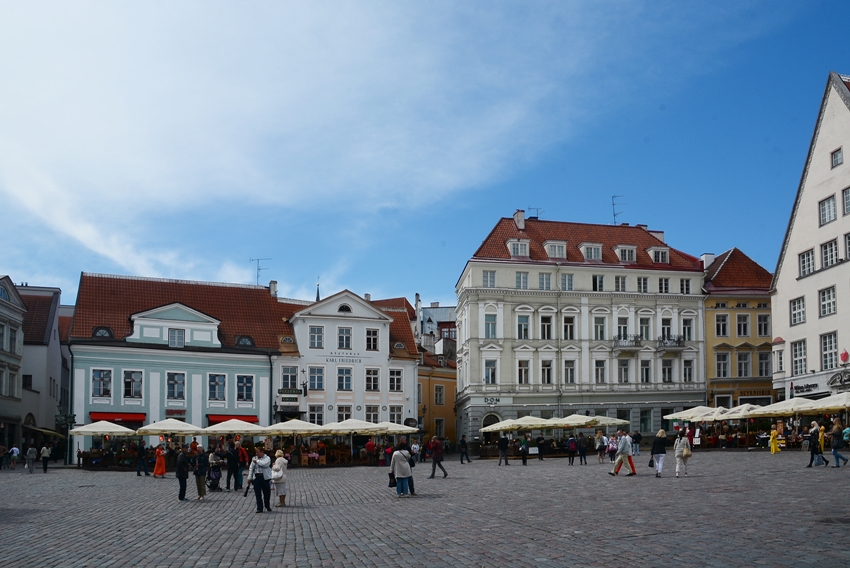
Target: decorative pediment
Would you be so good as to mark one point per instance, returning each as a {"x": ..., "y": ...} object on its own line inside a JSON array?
[
  {"x": 601, "y": 348},
  {"x": 571, "y": 349},
  {"x": 524, "y": 308},
  {"x": 345, "y": 304},
  {"x": 175, "y": 312},
  {"x": 524, "y": 348},
  {"x": 840, "y": 380},
  {"x": 549, "y": 348},
  {"x": 687, "y": 313},
  {"x": 570, "y": 310},
  {"x": 646, "y": 312},
  {"x": 548, "y": 310},
  {"x": 723, "y": 347},
  {"x": 600, "y": 310},
  {"x": 491, "y": 347},
  {"x": 745, "y": 346}
]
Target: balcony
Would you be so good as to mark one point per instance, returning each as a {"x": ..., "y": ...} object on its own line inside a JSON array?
[
  {"x": 627, "y": 343},
  {"x": 675, "y": 343}
]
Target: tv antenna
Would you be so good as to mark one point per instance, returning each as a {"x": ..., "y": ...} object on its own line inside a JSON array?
[
  {"x": 537, "y": 212},
  {"x": 614, "y": 207},
  {"x": 257, "y": 260}
]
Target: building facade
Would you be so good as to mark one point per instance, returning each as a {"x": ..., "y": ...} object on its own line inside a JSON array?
[
  {"x": 12, "y": 310},
  {"x": 738, "y": 333},
  {"x": 811, "y": 295},
  {"x": 556, "y": 318},
  {"x": 436, "y": 396}
]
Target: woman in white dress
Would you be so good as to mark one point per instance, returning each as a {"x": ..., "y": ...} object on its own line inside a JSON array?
[{"x": 279, "y": 478}]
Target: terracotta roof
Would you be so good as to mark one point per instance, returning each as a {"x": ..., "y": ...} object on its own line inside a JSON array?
[
  {"x": 734, "y": 269},
  {"x": 431, "y": 360},
  {"x": 109, "y": 301},
  {"x": 38, "y": 319},
  {"x": 65, "y": 328},
  {"x": 400, "y": 331},
  {"x": 609, "y": 236},
  {"x": 397, "y": 303}
]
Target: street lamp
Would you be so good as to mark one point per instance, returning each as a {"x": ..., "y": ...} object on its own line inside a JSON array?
[{"x": 66, "y": 421}]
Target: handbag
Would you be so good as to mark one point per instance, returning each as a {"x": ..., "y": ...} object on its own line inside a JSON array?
[
  {"x": 651, "y": 462},
  {"x": 393, "y": 482},
  {"x": 411, "y": 462},
  {"x": 686, "y": 452}
]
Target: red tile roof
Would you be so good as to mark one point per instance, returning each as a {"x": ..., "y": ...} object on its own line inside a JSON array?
[
  {"x": 734, "y": 269},
  {"x": 38, "y": 319},
  {"x": 431, "y": 360},
  {"x": 400, "y": 332},
  {"x": 65, "y": 328},
  {"x": 609, "y": 236},
  {"x": 397, "y": 303}
]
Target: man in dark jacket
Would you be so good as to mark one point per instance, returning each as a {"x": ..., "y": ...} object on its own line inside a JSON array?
[
  {"x": 232, "y": 457},
  {"x": 141, "y": 458},
  {"x": 541, "y": 446},
  {"x": 437, "y": 457},
  {"x": 183, "y": 471},
  {"x": 503, "y": 448},
  {"x": 463, "y": 450}
]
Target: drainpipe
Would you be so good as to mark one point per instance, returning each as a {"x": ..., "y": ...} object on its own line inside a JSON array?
[
  {"x": 68, "y": 427},
  {"x": 559, "y": 330},
  {"x": 271, "y": 387}
]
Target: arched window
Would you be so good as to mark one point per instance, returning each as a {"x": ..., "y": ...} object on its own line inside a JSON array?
[
  {"x": 102, "y": 332},
  {"x": 244, "y": 341},
  {"x": 344, "y": 308},
  {"x": 4, "y": 295}
]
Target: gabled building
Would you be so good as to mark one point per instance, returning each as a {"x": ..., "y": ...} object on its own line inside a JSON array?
[
  {"x": 737, "y": 330},
  {"x": 436, "y": 395},
  {"x": 811, "y": 297},
  {"x": 555, "y": 318},
  {"x": 12, "y": 311}
]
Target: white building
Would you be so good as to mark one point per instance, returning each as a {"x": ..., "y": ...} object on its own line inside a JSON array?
[
  {"x": 12, "y": 310},
  {"x": 810, "y": 284},
  {"x": 556, "y": 318}
]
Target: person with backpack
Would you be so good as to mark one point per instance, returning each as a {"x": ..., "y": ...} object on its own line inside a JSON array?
[
  {"x": 837, "y": 444},
  {"x": 815, "y": 452},
  {"x": 613, "y": 444},
  {"x": 572, "y": 449},
  {"x": 582, "y": 449},
  {"x": 601, "y": 446}
]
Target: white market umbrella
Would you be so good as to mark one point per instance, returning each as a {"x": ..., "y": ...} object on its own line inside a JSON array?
[
  {"x": 234, "y": 426},
  {"x": 102, "y": 428},
  {"x": 688, "y": 414},
  {"x": 712, "y": 415},
  {"x": 834, "y": 403},
  {"x": 169, "y": 426},
  {"x": 399, "y": 429},
  {"x": 608, "y": 421},
  {"x": 532, "y": 423},
  {"x": 503, "y": 426},
  {"x": 741, "y": 412},
  {"x": 354, "y": 426},
  {"x": 295, "y": 427},
  {"x": 788, "y": 407},
  {"x": 572, "y": 421}
]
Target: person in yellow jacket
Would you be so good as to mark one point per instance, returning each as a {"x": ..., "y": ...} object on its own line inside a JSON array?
[
  {"x": 774, "y": 440},
  {"x": 821, "y": 438}
]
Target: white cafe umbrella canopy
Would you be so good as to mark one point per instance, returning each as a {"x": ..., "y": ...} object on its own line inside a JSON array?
[
  {"x": 788, "y": 407},
  {"x": 712, "y": 415},
  {"x": 393, "y": 428},
  {"x": 503, "y": 426},
  {"x": 608, "y": 421},
  {"x": 532, "y": 423},
  {"x": 689, "y": 413},
  {"x": 834, "y": 403},
  {"x": 740, "y": 412},
  {"x": 354, "y": 426},
  {"x": 169, "y": 426},
  {"x": 295, "y": 427},
  {"x": 234, "y": 426},
  {"x": 102, "y": 428},
  {"x": 572, "y": 421}
]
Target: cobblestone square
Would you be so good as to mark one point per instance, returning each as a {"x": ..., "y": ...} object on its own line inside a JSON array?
[{"x": 734, "y": 509}]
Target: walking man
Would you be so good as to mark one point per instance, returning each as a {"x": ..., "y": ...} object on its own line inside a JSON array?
[
  {"x": 541, "y": 446},
  {"x": 624, "y": 450},
  {"x": 232, "y": 457},
  {"x": 437, "y": 457},
  {"x": 182, "y": 472},
  {"x": 463, "y": 450},
  {"x": 636, "y": 443},
  {"x": 503, "y": 448},
  {"x": 142, "y": 459},
  {"x": 32, "y": 454},
  {"x": 260, "y": 473},
  {"x": 45, "y": 456}
]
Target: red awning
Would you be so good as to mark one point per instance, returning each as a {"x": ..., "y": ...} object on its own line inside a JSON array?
[
  {"x": 118, "y": 416},
  {"x": 218, "y": 418}
]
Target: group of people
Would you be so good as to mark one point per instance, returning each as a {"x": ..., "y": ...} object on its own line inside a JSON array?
[
  {"x": 9, "y": 456},
  {"x": 818, "y": 436},
  {"x": 403, "y": 461}
]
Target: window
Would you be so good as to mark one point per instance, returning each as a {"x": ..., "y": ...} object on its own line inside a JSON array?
[
  {"x": 599, "y": 372},
  {"x": 828, "y": 351},
  {"x": 289, "y": 377},
  {"x": 619, "y": 283},
  {"x": 646, "y": 420},
  {"x": 622, "y": 328},
  {"x": 627, "y": 254},
  {"x": 216, "y": 387},
  {"x": 567, "y": 282},
  {"x": 418, "y": 393},
  {"x": 827, "y": 301},
  {"x": 722, "y": 365},
  {"x": 373, "y": 379},
  {"x": 102, "y": 332},
  {"x": 545, "y": 327},
  {"x": 807, "y": 263},
  {"x": 721, "y": 325},
  {"x": 623, "y": 371},
  {"x": 546, "y": 372},
  {"x": 644, "y": 328},
  {"x": 798, "y": 358},
  {"x": 490, "y": 326},
  {"x": 101, "y": 383},
  {"x": 522, "y": 280},
  {"x": 489, "y": 277},
  {"x": 592, "y": 253},
  {"x": 343, "y": 379},
  {"x": 27, "y": 382},
  {"x": 666, "y": 328},
  {"x": 660, "y": 256},
  {"x": 557, "y": 251},
  {"x": 764, "y": 365},
  {"x": 663, "y": 285},
  {"x": 522, "y": 372},
  {"x": 599, "y": 329},
  {"x": 522, "y": 327},
  {"x": 344, "y": 338},
  {"x": 837, "y": 158},
  {"x": 396, "y": 376},
  {"x": 645, "y": 371},
  {"x": 742, "y": 305},
  {"x": 439, "y": 427},
  {"x": 519, "y": 249},
  {"x": 846, "y": 247},
  {"x": 245, "y": 388},
  {"x": 245, "y": 341},
  {"x": 827, "y": 210},
  {"x": 317, "y": 337},
  {"x": 317, "y": 378},
  {"x": 176, "y": 386},
  {"x": 688, "y": 371},
  {"x": 598, "y": 283},
  {"x": 780, "y": 360},
  {"x": 176, "y": 337},
  {"x": 570, "y": 372},
  {"x": 316, "y": 415},
  {"x": 743, "y": 325},
  {"x": 798, "y": 311},
  {"x": 764, "y": 325},
  {"x": 132, "y": 384},
  {"x": 643, "y": 284},
  {"x": 569, "y": 328},
  {"x": 13, "y": 340},
  {"x": 343, "y": 412},
  {"x": 688, "y": 329},
  {"x": 395, "y": 414},
  {"x": 666, "y": 371},
  {"x": 545, "y": 280},
  {"x": 2, "y": 336},
  {"x": 685, "y": 286},
  {"x": 371, "y": 340},
  {"x": 439, "y": 395},
  {"x": 720, "y": 305},
  {"x": 846, "y": 198},
  {"x": 829, "y": 253},
  {"x": 490, "y": 372},
  {"x": 743, "y": 365}
]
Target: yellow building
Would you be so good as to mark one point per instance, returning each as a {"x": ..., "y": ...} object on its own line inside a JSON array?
[
  {"x": 737, "y": 330},
  {"x": 435, "y": 396}
]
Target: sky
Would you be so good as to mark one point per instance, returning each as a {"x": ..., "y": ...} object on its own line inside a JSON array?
[{"x": 372, "y": 146}]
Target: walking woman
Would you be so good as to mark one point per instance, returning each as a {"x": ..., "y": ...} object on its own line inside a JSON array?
[
  {"x": 814, "y": 445},
  {"x": 401, "y": 469},
  {"x": 582, "y": 449},
  {"x": 679, "y": 450},
  {"x": 659, "y": 450},
  {"x": 279, "y": 478},
  {"x": 613, "y": 443},
  {"x": 159, "y": 468},
  {"x": 202, "y": 464},
  {"x": 601, "y": 446},
  {"x": 837, "y": 444},
  {"x": 774, "y": 439}
]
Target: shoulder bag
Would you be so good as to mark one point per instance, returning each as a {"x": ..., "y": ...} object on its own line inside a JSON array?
[
  {"x": 393, "y": 482},
  {"x": 411, "y": 462},
  {"x": 686, "y": 451},
  {"x": 651, "y": 462}
]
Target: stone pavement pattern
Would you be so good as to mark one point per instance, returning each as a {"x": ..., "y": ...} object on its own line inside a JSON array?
[{"x": 735, "y": 509}]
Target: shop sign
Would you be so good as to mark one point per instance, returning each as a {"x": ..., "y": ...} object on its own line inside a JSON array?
[
  {"x": 175, "y": 412},
  {"x": 289, "y": 391},
  {"x": 288, "y": 409},
  {"x": 799, "y": 389}
]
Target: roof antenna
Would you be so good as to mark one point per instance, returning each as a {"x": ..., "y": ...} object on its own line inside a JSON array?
[
  {"x": 614, "y": 207},
  {"x": 257, "y": 260},
  {"x": 317, "y": 289},
  {"x": 537, "y": 212}
]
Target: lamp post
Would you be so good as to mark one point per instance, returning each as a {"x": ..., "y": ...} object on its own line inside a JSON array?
[{"x": 65, "y": 421}]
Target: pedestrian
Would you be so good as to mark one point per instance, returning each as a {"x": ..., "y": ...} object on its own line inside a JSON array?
[
  {"x": 679, "y": 448},
  {"x": 182, "y": 474},
  {"x": 601, "y": 444},
  {"x": 279, "y": 478},
  {"x": 572, "y": 449},
  {"x": 582, "y": 449},
  {"x": 201, "y": 464},
  {"x": 4, "y": 457},
  {"x": 658, "y": 451},
  {"x": 400, "y": 466},
  {"x": 503, "y": 448},
  {"x": 837, "y": 443},
  {"x": 613, "y": 444},
  {"x": 814, "y": 446},
  {"x": 541, "y": 446},
  {"x": 636, "y": 439},
  {"x": 13, "y": 458},
  {"x": 624, "y": 451},
  {"x": 259, "y": 475},
  {"x": 821, "y": 437},
  {"x": 243, "y": 463},
  {"x": 437, "y": 457},
  {"x": 32, "y": 454},
  {"x": 463, "y": 450},
  {"x": 159, "y": 467},
  {"x": 232, "y": 457},
  {"x": 45, "y": 456},
  {"x": 774, "y": 440},
  {"x": 414, "y": 449},
  {"x": 194, "y": 445},
  {"x": 388, "y": 453},
  {"x": 141, "y": 458}
]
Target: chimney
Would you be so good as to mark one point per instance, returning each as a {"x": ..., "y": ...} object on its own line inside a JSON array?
[
  {"x": 639, "y": 226},
  {"x": 707, "y": 260},
  {"x": 273, "y": 288},
  {"x": 435, "y": 304},
  {"x": 657, "y": 234},
  {"x": 519, "y": 219},
  {"x": 367, "y": 297}
]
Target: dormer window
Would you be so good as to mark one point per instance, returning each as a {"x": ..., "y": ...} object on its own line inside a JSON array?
[
  {"x": 4, "y": 295},
  {"x": 244, "y": 341},
  {"x": 626, "y": 253},
  {"x": 344, "y": 308},
  {"x": 660, "y": 255},
  {"x": 592, "y": 251},
  {"x": 398, "y": 346},
  {"x": 101, "y": 332},
  {"x": 176, "y": 337},
  {"x": 556, "y": 249},
  {"x": 287, "y": 339},
  {"x": 518, "y": 248}
]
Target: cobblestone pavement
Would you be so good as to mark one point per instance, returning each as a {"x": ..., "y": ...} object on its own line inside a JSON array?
[{"x": 734, "y": 509}]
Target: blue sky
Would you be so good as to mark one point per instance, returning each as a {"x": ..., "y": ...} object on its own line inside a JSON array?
[{"x": 375, "y": 144}]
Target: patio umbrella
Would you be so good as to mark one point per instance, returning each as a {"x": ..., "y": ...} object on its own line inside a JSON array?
[
  {"x": 788, "y": 407},
  {"x": 503, "y": 426},
  {"x": 295, "y": 427},
  {"x": 169, "y": 426},
  {"x": 102, "y": 428},
  {"x": 532, "y": 423},
  {"x": 689, "y": 413},
  {"x": 834, "y": 403},
  {"x": 393, "y": 428},
  {"x": 354, "y": 426},
  {"x": 234, "y": 426},
  {"x": 712, "y": 415},
  {"x": 741, "y": 412},
  {"x": 607, "y": 421},
  {"x": 573, "y": 421}
]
